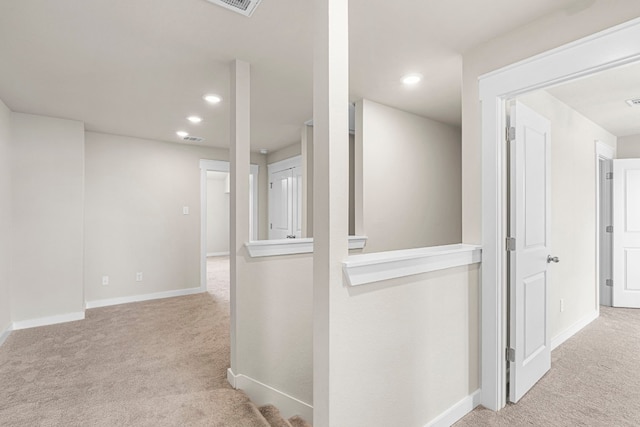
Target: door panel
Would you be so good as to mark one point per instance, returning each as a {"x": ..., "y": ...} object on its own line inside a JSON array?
[
  {"x": 280, "y": 204},
  {"x": 626, "y": 233},
  {"x": 529, "y": 213}
]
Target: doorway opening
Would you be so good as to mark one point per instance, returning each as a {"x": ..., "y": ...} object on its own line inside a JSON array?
[
  {"x": 215, "y": 225},
  {"x": 579, "y": 59}
]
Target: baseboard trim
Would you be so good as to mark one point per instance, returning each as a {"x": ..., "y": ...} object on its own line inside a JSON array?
[
  {"x": 262, "y": 394},
  {"x": 218, "y": 254},
  {"x": 5, "y": 334},
  {"x": 574, "y": 329},
  {"x": 144, "y": 297},
  {"x": 46, "y": 321},
  {"x": 457, "y": 411}
]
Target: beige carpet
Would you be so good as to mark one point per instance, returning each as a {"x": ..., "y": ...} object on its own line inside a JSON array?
[
  {"x": 155, "y": 363},
  {"x": 218, "y": 277},
  {"x": 594, "y": 380}
]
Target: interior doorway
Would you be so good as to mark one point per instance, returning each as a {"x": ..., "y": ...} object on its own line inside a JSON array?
[
  {"x": 583, "y": 58},
  {"x": 215, "y": 226}
]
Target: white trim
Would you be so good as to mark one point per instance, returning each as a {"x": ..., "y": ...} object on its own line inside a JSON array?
[
  {"x": 375, "y": 267},
  {"x": 214, "y": 165},
  {"x": 262, "y": 394},
  {"x": 264, "y": 248},
  {"x": 605, "y": 151},
  {"x": 290, "y": 163},
  {"x": 218, "y": 254},
  {"x": 144, "y": 297},
  {"x": 573, "y": 329},
  {"x": 617, "y": 46},
  {"x": 5, "y": 334},
  {"x": 457, "y": 411},
  {"x": 46, "y": 321}
]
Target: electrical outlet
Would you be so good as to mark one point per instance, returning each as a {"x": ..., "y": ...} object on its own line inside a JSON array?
[
  {"x": 561, "y": 305},
  {"x": 139, "y": 276},
  {"x": 105, "y": 280}
]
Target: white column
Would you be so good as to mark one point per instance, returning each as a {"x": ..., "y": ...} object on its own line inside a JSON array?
[
  {"x": 330, "y": 194},
  {"x": 239, "y": 174}
]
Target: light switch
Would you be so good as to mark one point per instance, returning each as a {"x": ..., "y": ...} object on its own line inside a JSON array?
[{"x": 185, "y": 210}]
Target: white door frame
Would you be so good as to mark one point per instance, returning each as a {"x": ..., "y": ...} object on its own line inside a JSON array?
[
  {"x": 603, "y": 152},
  {"x": 221, "y": 166},
  {"x": 607, "y": 49}
]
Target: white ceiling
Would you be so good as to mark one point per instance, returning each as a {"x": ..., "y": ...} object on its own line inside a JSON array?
[
  {"x": 601, "y": 98},
  {"x": 138, "y": 68}
]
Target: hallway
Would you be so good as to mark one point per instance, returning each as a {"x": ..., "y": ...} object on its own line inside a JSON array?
[{"x": 594, "y": 380}]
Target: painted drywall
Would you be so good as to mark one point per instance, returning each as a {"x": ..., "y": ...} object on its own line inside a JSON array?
[
  {"x": 284, "y": 153},
  {"x": 5, "y": 217},
  {"x": 274, "y": 323},
  {"x": 573, "y": 209},
  {"x": 628, "y": 147},
  {"x": 217, "y": 215},
  {"x": 410, "y": 179},
  {"x": 412, "y": 347},
  {"x": 47, "y": 206},
  {"x": 539, "y": 36},
  {"x": 135, "y": 193}
]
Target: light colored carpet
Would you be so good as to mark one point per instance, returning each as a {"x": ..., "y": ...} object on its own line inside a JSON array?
[
  {"x": 154, "y": 363},
  {"x": 218, "y": 281},
  {"x": 594, "y": 380}
]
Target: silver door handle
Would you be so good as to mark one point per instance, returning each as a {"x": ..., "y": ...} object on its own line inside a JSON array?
[{"x": 551, "y": 259}]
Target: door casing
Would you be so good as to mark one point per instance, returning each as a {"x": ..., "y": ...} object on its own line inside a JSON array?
[{"x": 608, "y": 49}]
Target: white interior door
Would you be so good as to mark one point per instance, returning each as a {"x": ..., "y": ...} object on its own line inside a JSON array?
[
  {"x": 297, "y": 201},
  {"x": 626, "y": 233},
  {"x": 529, "y": 216},
  {"x": 281, "y": 204}
]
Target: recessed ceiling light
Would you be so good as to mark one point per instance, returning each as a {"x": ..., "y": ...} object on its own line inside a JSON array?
[
  {"x": 411, "y": 79},
  {"x": 182, "y": 133},
  {"x": 212, "y": 99},
  {"x": 194, "y": 119},
  {"x": 264, "y": 151}
]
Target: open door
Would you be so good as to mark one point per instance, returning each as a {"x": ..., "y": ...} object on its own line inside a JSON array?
[
  {"x": 529, "y": 351},
  {"x": 626, "y": 233}
]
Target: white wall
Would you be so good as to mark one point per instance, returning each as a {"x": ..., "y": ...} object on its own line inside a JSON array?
[
  {"x": 284, "y": 153},
  {"x": 5, "y": 217},
  {"x": 573, "y": 209},
  {"x": 537, "y": 37},
  {"x": 628, "y": 147},
  {"x": 135, "y": 192},
  {"x": 217, "y": 215},
  {"x": 48, "y": 192},
  {"x": 412, "y": 347},
  {"x": 274, "y": 323},
  {"x": 411, "y": 179}
]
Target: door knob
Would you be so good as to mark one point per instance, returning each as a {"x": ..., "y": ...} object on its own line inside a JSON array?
[{"x": 551, "y": 259}]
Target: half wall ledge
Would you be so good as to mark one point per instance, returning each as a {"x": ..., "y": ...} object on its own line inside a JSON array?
[
  {"x": 375, "y": 267},
  {"x": 264, "y": 248}
]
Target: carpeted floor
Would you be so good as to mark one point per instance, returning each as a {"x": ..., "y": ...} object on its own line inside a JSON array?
[
  {"x": 594, "y": 380},
  {"x": 155, "y": 363},
  {"x": 218, "y": 277}
]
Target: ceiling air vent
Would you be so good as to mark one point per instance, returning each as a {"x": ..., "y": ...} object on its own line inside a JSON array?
[
  {"x": 192, "y": 139},
  {"x": 635, "y": 102},
  {"x": 244, "y": 7}
]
